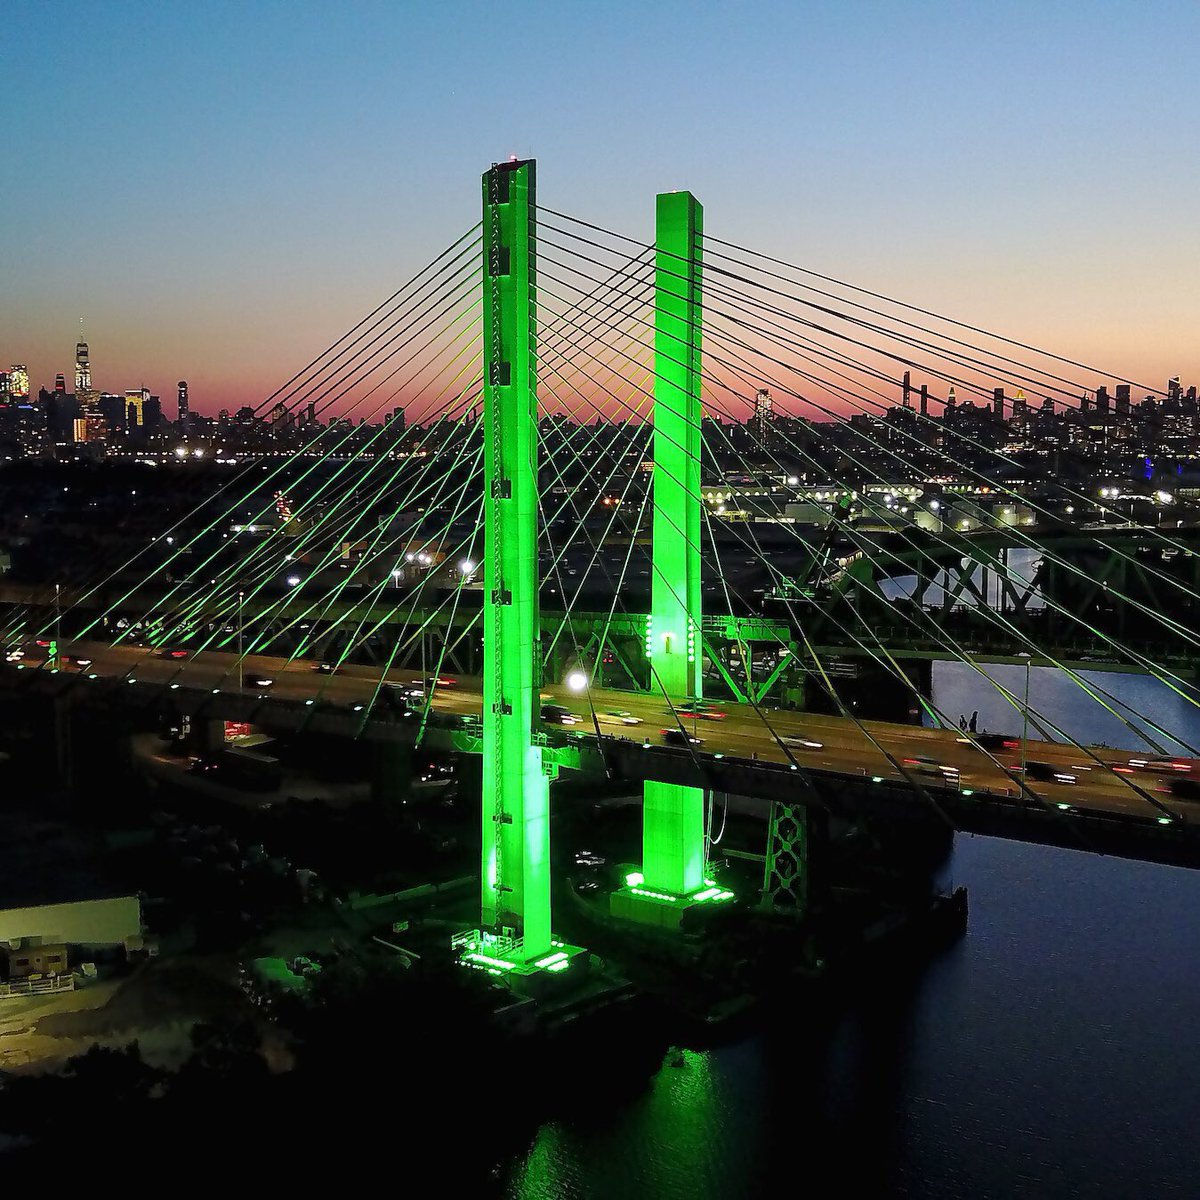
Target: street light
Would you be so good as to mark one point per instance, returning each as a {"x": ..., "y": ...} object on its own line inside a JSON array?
[
  {"x": 1025, "y": 729},
  {"x": 577, "y": 681}
]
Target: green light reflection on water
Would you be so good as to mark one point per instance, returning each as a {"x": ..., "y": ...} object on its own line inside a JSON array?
[{"x": 666, "y": 1138}]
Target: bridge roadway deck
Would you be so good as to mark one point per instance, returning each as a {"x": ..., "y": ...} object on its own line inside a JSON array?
[{"x": 863, "y": 750}]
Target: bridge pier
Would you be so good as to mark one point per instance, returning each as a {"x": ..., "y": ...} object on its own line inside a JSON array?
[{"x": 796, "y": 835}]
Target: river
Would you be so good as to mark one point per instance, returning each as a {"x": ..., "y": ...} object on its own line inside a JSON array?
[{"x": 1051, "y": 1053}]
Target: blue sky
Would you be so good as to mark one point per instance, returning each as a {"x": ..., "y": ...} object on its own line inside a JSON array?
[{"x": 221, "y": 188}]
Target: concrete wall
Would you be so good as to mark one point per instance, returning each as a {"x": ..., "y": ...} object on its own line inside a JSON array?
[{"x": 86, "y": 923}]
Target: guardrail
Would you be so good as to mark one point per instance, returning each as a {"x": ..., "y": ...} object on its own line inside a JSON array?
[{"x": 38, "y": 987}]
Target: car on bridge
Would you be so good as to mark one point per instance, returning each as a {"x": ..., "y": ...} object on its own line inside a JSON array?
[
  {"x": 677, "y": 737},
  {"x": 1161, "y": 766},
  {"x": 697, "y": 708},
  {"x": 802, "y": 743},
  {"x": 922, "y": 764},
  {"x": 617, "y": 716},
  {"x": 993, "y": 741},
  {"x": 555, "y": 714},
  {"x": 327, "y": 668},
  {"x": 401, "y": 696},
  {"x": 174, "y": 654},
  {"x": 255, "y": 680},
  {"x": 1044, "y": 772}
]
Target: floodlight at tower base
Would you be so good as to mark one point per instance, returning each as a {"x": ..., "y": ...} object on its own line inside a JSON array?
[
  {"x": 503, "y": 958},
  {"x": 644, "y": 905}
]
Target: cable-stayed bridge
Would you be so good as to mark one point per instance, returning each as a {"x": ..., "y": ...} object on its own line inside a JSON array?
[{"x": 582, "y": 517}]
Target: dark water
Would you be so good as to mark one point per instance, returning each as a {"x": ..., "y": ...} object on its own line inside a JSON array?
[
  {"x": 1051, "y": 1053},
  {"x": 1132, "y": 712}
]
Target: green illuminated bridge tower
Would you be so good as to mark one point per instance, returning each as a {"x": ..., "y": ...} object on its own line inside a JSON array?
[
  {"x": 673, "y": 814},
  {"x": 514, "y": 938}
]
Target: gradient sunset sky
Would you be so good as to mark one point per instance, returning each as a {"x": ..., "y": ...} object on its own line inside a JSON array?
[{"x": 220, "y": 189}]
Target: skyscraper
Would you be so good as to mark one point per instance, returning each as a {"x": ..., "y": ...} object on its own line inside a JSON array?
[
  {"x": 83, "y": 371},
  {"x": 762, "y": 413},
  {"x": 86, "y": 398},
  {"x": 135, "y": 407},
  {"x": 18, "y": 381},
  {"x": 183, "y": 403}
]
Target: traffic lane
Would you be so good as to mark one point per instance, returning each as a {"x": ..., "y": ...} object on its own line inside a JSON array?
[
  {"x": 743, "y": 732},
  {"x": 847, "y": 748},
  {"x": 841, "y": 734}
]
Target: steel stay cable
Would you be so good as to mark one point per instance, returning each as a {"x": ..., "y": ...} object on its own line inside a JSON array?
[
  {"x": 617, "y": 458},
  {"x": 1040, "y": 720},
  {"x": 350, "y": 433},
  {"x": 399, "y": 291},
  {"x": 962, "y": 382},
  {"x": 941, "y": 374},
  {"x": 269, "y": 546},
  {"x": 417, "y": 593},
  {"x": 334, "y": 542},
  {"x": 863, "y": 403},
  {"x": 1024, "y": 786},
  {"x": 272, "y": 475},
  {"x": 924, "y": 312},
  {"x": 447, "y": 407},
  {"x": 1021, "y": 535},
  {"x": 209, "y": 501},
  {"x": 374, "y": 551},
  {"x": 1072, "y": 390},
  {"x": 1024, "y": 638},
  {"x": 343, "y": 468},
  {"x": 783, "y": 747},
  {"x": 1162, "y": 619},
  {"x": 852, "y": 287},
  {"x": 457, "y": 593},
  {"x": 394, "y": 319}
]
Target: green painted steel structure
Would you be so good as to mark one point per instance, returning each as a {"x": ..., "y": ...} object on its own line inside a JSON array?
[
  {"x": 673, "y": 814},
  {"x": 516, "y": 789}
]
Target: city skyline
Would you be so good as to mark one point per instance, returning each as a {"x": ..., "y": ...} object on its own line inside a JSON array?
[{"x": 1002, "y": 166}]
